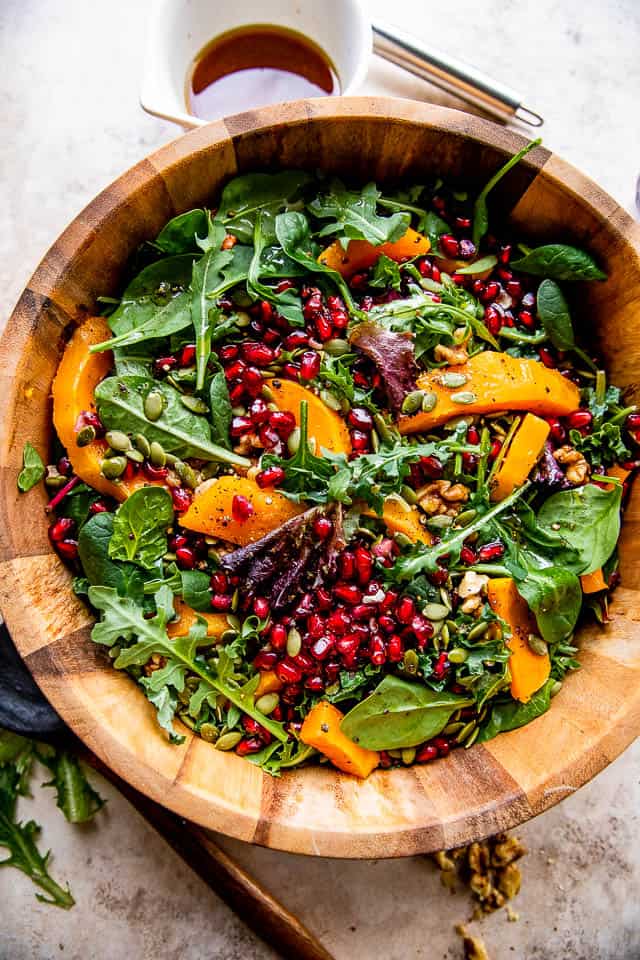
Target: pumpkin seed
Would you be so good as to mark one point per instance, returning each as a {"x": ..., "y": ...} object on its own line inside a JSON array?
[
  {"x": 453, "y": 379},
  {"x": 135, "y": 455},
  {"x": 452, "y": 626},
  {"x": 408, "y": 755},
  {"x": 332, "y": 689},
  {"x": 410, "y": 662},
  {"x": 142, "y": 444},
  {"x": 429, "y": 401},
  {"x": 187, "y": 474},
  {"x": 444, "y": 633},
  {"x": 472, "y": 739},
  {"x": 396, "y": 754},
  {"x": 267, "y": 703},
  {"x": 477, "y": 631},
  {"x": 187, "y": 720},
  {"x": 294, "y": 642},
  {"x": 209, "y": 732},
  {"x": 466, "y": 730},
  {"x": 382, "y": 427},
  {"x": 293, "y": 442},
  {"x": 266, "y": 392},
  {"x": 457, "y": 655},
  {"x": 118, "y": 440},
  {"x": 113, "y": 468},
  {"x": 184, "y": 696},
  {"x": 464, "y": 396},
  {"x": 436, "y": 611},
  {"x": 337, "y": 347},
  {"x": 195, "y": 404},
  {"x": 556, "y": 688},
  {"x": 54, "y": 480},
  {"x": 170, "y": 459},
  {"x": 157, "y": 456},
  {"x": 466, "y": 517},
  {"x": 408, "y": 494},
  {"x": 452, "y": 728},
  {"x": 402, "y": 539},
  {"x": 441, "y": 522},
  {"x": 85, "y": 436},
  {"x": 537, "y": 645},
  {"x": 331, "y": 400},
  {"x": 153, "y": 405},
  {"x": 412, "y": 402},
  {"x": 242, "y": 319},
  {"x": 228, "y": 740},
  {"x": 235, "y": 600},
  {"x": 113, "y": 653}
]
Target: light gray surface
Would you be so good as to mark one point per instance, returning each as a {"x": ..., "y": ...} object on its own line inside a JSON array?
[{"x": 69, "y": 123}]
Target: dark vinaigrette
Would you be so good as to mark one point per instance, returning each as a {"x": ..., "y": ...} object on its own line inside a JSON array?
[{"x": 254, "y": 66}]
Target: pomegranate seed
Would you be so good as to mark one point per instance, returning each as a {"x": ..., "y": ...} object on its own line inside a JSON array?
[
  {"x": 361, "y": 611},
  {"x": 269, "y": 438},
  {"x": 364, "y": 565},
  {"x": 504, "y": 253},
  {"x": 359, "y": 440},
  {"x": 478, "y": 287},
  {"x": 495, "y": 449},
  {"x": 283, "y": 422},
  {"x": 580, "y": 420},
  {"x": 266, "y": 311},
  {"x": 270, "y": 477},
  {"x": 633, "y": 423},
  {"x": 177, "y": 541},
  {"x": 315, "y": 684},
  {"x": 347, "y": 565},
  {"x": 252, "y": 381},
  {"x": 439, "y": 577},
  {"x": 470, "y": 462},
  {"x": 261, "y": 607},
  {"x": 426, "y": 754},
  {"x": 98, "y": 507},
  {"x": 305, "y": 662},
  {"x": 154, "y": 473},
  {"x": 259, "y": 411},
  {"x": 288, "y": 671},
  {"x": 68, "y": 549},
  {"x": 309, "y": 365},
  {"x": 424, "y": 266},
  {"x": 241, "y": 508},
  {"x": 64, "y": 466},
  {"x": 348, "y": 593},
  {"x": 467, "y": 249},
  {"x": 296, "y": 339},
  {"x": 271, "y": 336},
  {"x": 436, "y": 275},
  {"x": 265, "y": 660},
  {"x": 442, "y": 745},
  {"x": 468, "y": 555},
  {"x": 449, "y": 245},
  {"x": 185, "y": 558},
  {"x": 462, "y": 223},
  {"x": 386, "y": 623},
  {"x": 423, "y": 630},
  {"x": 249, "y": 745},
  {"x": 230, "y": 352},
  {"x": 323, "y": 598},
  {"x": 322, "y": 527},
  {"x": 389, "y": 601},
  {"x": 62, "y": 529},
  {"x": 219, "y": 582},
  {"x": 278, "y": 636},
  {"x": 431, "y": 467},
  {"x": 491, "y": 551},
  {"x": 181, "y": 499},
  {"x": 348, "y": 648},
  {"x": 360, "y": 418},
  {"x": 385, "y": 549},
  {"x": 395, "y": 648},
  {"x": 513, "y": 288},
  {"x": 473, "y": 435},
  {"x": 291, "y": 371},
  {"x": 251, "y": 725},
  {"x": 257, "y": 354},
  {"x": 527, "y": 319},
  {"x": 338, "y": 622},
  {"x": 441, "y": 666},
  {"x": 504, "y": 274},
  {"x": 493, "y": 319},
  {"x": 378, "y": 651},
  {"x": 188, "y": 355},
  {"x": 405, "y": 610},
  {"x": 235, "y": 370},
  {"x": 547, "y": 357},
  {"x": 324, "y": 326},
  {"x": 321, "y": 648},
  {"x": 556, "y": 430},
  {"x": 130, "y": 471},
  {"x": 240, "y": 426},
  {"x": 316, "y": 625},
  {"x": 305, "y": 607},
  {"x": 164, "y": 365},
  {"x": 236, "y": 394}
]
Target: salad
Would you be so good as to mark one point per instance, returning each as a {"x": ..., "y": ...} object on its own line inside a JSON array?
[{"x": 336, "y": 474}]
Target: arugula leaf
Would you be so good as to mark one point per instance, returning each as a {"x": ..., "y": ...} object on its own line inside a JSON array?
[
  {"x": 221, "y": 410},
  {"x": 120, "y": 402},
  {"x": 400, "y": 714},
  {"x": 179, "y": 234},
  {"x": 32, "y": 468},
  {"x": 140, "y": 527},
  {"x": 99, "y": 569},
  {"x": 588, "y": 519},
  {"x": 353, "y": 215},
  {"x": 604, "y": 444},
  {"x": 386, "y": 274},
  {"x": 434, "y": 227},
  {"x": 305, "y": 475},
  {"x": 294, "y": 236},
  {"x": 246, "y": 196},
  {"x": 480, "y": 210},
  {"x": 20, "y": 840},
  {"x": 75, "y": 796},
  {"x": 554, "y": 596},
  {"x": 559, "y": 261},
  {"x": 277, "y": 756},
  {"x": 288, "y": 302},
  {"x": 123, "y": 620},
  {"x": 509, "y": 714},
  {"x": 335, "y": 371}
]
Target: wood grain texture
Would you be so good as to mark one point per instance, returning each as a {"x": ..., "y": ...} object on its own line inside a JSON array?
[{"x": 316, "y": 810}]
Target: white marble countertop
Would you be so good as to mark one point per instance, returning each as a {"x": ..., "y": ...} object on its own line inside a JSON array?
[{"x": 70, "y": 123}]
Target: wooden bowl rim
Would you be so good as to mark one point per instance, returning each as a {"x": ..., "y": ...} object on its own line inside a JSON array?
[{"x": 271, "y": 819}]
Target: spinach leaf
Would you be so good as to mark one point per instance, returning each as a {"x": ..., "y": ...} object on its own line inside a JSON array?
[
  {"x": 553, "y": 311},
  {"x": 434, "y": 226},
  {"x": 558, "y": 261},
  {"x": 246, "y": 196},
  {"x": 554, "y": 596},
  {"x": 386, "y": 274},
  {"x": 179, "y": 235},
  {"x": 99, "y": 569},
  {"x": 221, "y": 411},
  {"x": 196, "y": 590},
  {"x": 588, "y": 519},
  {"x": 510, "y": 714},
  {"x": 353, "y": 214},
  {"x": 75, "y": 796},
  {"x": 140, "y": 527},
  {"x": 32, "y": 468},
  {"x": 480, "y": 210},
  {"x": 78, "y": 502},
  {"x": 400, "y": 714},
  {"x": 120, "y": 402},
  {"x": 294, "y": 236}
]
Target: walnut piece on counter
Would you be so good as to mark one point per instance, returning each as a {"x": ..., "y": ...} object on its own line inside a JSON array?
[
  {"x": 487, "y": 868},
  {"x": 474, "y": 948}
]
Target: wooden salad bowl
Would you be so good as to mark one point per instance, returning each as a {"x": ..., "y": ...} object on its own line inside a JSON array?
[{"x": 317, "y": 810}]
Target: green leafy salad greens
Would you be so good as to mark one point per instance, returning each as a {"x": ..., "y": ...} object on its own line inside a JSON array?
[{"x": 281, "y": 514}]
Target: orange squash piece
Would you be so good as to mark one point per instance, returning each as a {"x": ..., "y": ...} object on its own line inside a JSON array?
[
  {"x": 529, "y": 670},
  {"x": 593, "y": 582},
  {"x": 521, "y": 457},
  {"x": 211, "y": 510},
  {"x": 399, "y": 520},
  {"x": 325, "y": 425},
  {"x": 269, "y": 682},
  {"x": 78, "y": 375},
  {"x": 321, "y": 729},
  {"x": 360, "y": 254},
  {"x": 498, "y": 382},
  {"x": 217, "y": 623}
]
